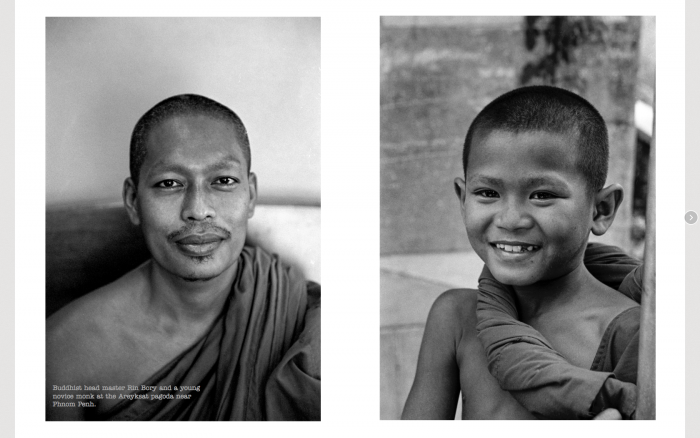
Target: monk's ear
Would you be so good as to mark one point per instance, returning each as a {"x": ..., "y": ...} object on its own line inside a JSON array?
[
  {"x": 253, "y": 192},
  {"x": 461, "y": 191},
  {"x": 129, "y": 195},
  {"x": 607, "y": 201}
]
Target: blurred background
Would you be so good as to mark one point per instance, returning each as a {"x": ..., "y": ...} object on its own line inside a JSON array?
[
  {"x": 103, "y": 74},
  {"x": 437, "y": 73}
]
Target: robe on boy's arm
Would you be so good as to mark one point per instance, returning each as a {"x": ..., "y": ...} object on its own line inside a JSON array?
[
  {"x": 259, "y": 361},
  {"x": 540, "y": 378}
]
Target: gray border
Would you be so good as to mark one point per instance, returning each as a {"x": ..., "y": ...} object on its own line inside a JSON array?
[
  {"x": 7, "y": 181},
  {"x": 692, "y": 234}
]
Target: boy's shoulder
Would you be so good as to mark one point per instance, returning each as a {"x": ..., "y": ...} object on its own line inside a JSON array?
[
  {"x": 454, "y": 311},
  {"x": 455, "y": 302}
]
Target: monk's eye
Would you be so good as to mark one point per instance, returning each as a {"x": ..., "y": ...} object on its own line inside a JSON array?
[
  {"x": 486, "y": 193},
  {"x": 168, "y": 184},
  {"x": 543, "y": 195},
  {"x": 226, "y": 181}
]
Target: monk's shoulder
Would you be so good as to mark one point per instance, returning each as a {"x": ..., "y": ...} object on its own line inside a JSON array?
[
  {"x": 98, "y": 307},
  {"x": 77, "y": 334}
]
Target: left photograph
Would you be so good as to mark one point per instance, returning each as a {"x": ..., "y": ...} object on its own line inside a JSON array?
[{"x": 183, "y": 219}]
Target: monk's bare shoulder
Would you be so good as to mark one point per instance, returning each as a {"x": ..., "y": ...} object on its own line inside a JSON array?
[{"x": 79, "y": 336}]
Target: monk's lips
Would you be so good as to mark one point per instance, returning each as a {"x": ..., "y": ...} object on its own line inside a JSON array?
[
  {"x": 199, "y": 239},
  {"x": 199, "y": 245}
]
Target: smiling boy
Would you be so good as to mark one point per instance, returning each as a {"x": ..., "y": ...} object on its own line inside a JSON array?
[{"x": 535, "y": 163}]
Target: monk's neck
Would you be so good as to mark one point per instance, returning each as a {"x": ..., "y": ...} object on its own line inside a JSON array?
[
  {"x": 566, "y": 292},
  {"x": 184, "y": 301}
]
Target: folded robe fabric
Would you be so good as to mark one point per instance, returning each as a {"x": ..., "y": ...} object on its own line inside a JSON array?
[
  {"x": 527, "y": 366},
  {"x": 270, "y": 326}
]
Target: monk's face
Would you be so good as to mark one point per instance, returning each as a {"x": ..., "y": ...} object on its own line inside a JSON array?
[
  {"x": 526, "y": 206},
  {"x": 195, "y": 196}
]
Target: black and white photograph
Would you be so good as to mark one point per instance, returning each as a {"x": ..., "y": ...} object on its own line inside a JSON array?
[
  {"x": 183, "y": 213},
  {"x": 517, "y": 217},
  {"x": 506, "y": 230}
]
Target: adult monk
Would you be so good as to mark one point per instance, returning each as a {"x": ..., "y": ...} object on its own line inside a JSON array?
[{"x": 207, "y": 329}]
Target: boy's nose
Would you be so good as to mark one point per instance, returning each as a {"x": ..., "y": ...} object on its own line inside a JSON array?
[{"x": 513, "y": 217}]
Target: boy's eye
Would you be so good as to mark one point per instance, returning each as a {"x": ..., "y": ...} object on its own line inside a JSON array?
[
  {"x": 168, "y": 184},
  {"x": 542, "y": 195},
  {"x": 487, "y": 193},
  {"x": 226, "y": 181}
]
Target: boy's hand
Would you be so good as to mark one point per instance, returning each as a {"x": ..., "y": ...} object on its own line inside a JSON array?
[{"x": 609, "y": 414}]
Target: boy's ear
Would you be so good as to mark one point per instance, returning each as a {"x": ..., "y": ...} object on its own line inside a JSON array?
[
  {"x": 461, "y": 191},
  {"x": 607, "y": 201}
]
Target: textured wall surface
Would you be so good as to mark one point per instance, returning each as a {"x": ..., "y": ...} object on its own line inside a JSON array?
[
  {"x": 438, "y": 73},
  {"x": 434, "y": 80}
]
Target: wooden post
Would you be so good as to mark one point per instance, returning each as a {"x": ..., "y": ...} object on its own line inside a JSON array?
[{"x": 646, "y": 372}]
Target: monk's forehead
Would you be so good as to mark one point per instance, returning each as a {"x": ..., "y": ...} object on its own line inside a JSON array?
[{"x": 193, "y": 131}]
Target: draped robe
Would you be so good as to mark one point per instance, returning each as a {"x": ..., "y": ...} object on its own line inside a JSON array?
[{"x": 259, "y": 361}]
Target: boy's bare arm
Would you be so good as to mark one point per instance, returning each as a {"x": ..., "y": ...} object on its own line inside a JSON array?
[{"x": 436, "y": 387}]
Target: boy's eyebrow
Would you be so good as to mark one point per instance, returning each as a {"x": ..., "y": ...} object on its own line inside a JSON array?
[
  {"x": 528, "y": 183},
  {"x": 543, "y": 181},
  {"x": 488, "y": 180}
]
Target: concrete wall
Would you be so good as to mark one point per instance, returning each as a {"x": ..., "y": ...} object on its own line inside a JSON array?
[
  {"x": 102, "y": 74},
  {"x": 437, "y": 73},
  {"x": 435, "y": 77}
]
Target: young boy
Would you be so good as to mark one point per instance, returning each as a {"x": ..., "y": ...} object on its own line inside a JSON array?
[{"x": 535, "y": 162}]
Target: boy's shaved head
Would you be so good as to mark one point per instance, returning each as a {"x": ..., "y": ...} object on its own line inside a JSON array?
[
  {"x": 553, "y": 110},
  {"x": 181, "y": 105}
]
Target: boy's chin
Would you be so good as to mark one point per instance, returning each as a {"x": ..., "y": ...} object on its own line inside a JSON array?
[{"x": 511, "y": 277}]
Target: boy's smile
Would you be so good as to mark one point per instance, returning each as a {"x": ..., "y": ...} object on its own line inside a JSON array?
[{"x": 526, "y": 206}]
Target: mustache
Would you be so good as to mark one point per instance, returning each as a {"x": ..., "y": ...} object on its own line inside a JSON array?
[{"x": 199, "y": 228}]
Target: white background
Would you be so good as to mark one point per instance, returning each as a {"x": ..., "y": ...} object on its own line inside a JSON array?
[{"x": 350, "y": 200}]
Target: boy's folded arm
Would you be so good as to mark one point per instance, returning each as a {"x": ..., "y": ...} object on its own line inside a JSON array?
[
  {"x": 435, "y": 391},
  {"x": 549, "y": 387},
  {"x": 622, "y": 395},
  {"x": 525, "y": 364}
]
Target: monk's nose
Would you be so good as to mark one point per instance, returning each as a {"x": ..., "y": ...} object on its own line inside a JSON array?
[{"x": 197, "y": 205}]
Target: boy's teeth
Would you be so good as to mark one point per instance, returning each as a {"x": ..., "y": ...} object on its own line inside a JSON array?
[{"x": 515, "y": 248}]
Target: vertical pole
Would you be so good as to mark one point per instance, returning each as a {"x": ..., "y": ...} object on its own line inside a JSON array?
[{"x": 646, "y": 371}]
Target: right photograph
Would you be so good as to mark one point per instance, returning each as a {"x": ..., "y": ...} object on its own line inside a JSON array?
[{"x": 517, "y": 220}]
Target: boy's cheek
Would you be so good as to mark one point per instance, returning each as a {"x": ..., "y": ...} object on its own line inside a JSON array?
[{"x": 480, "y": 248}]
